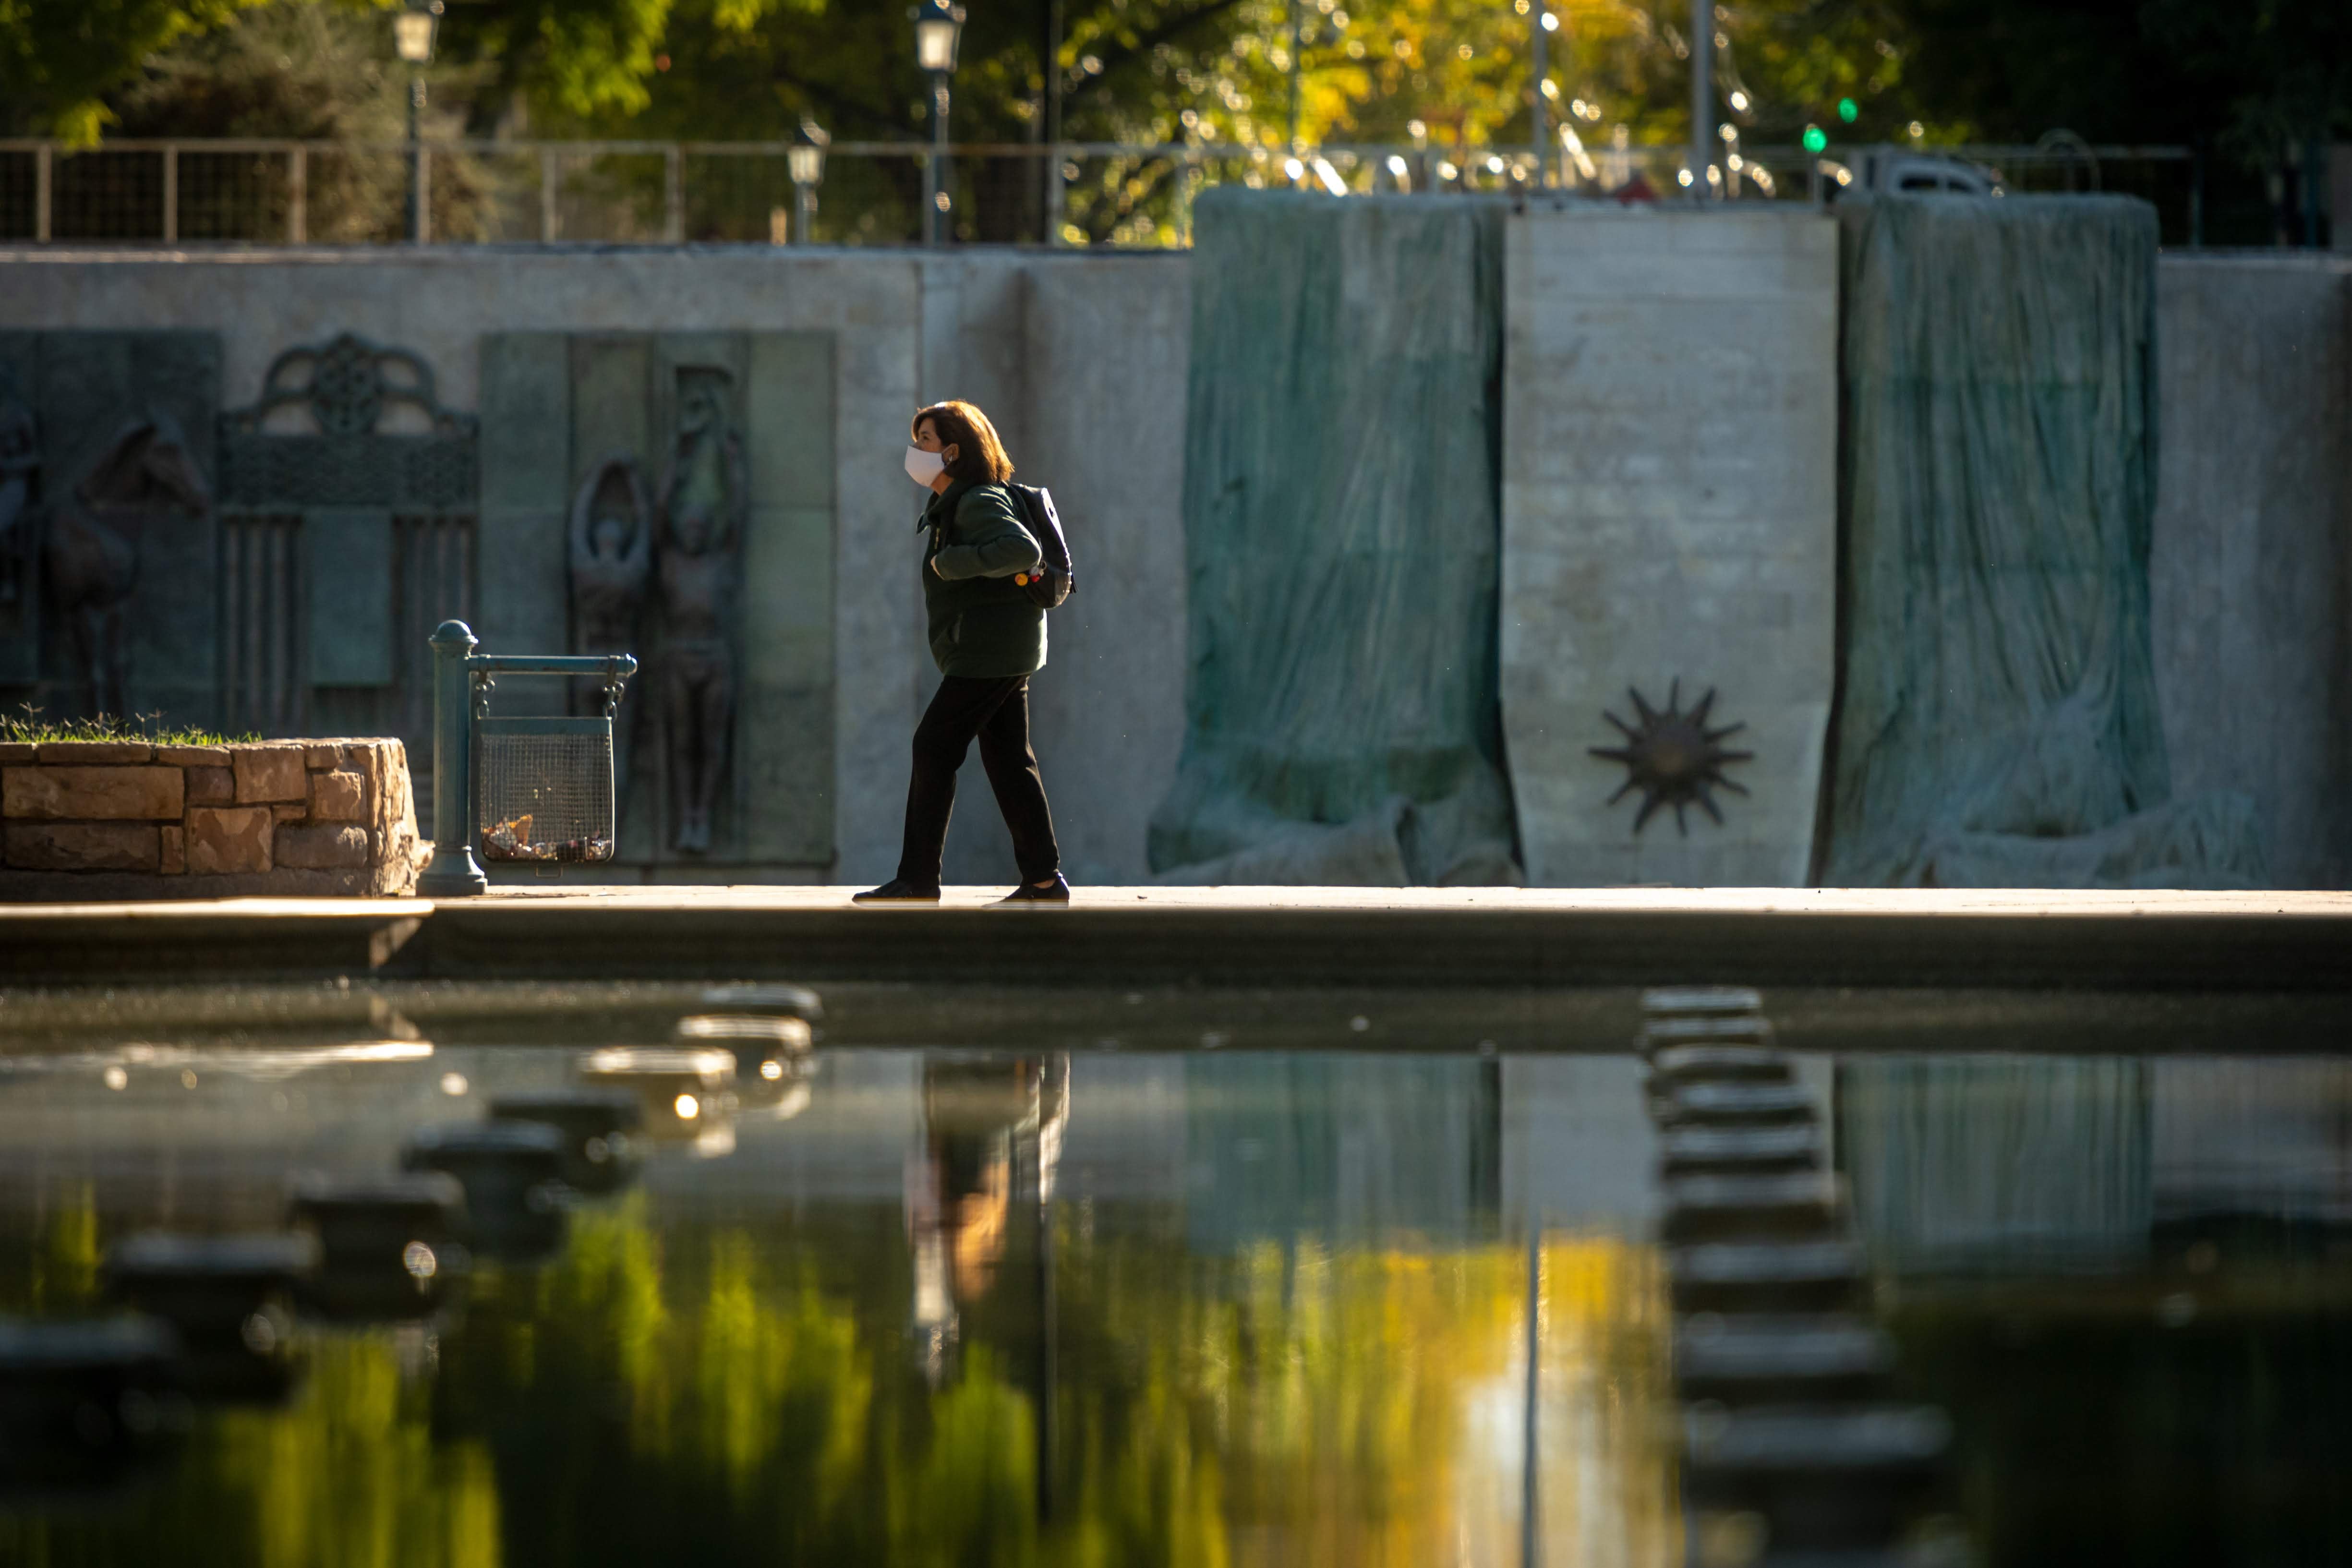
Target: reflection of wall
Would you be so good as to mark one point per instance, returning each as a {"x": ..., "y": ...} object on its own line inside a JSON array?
[
  {"x": 2252, "y": 1136},
  {"x": 1357, "y": 1147},
  {"x": 1995, "y": 1161},
  {"x": 1578, "y": 1155}
]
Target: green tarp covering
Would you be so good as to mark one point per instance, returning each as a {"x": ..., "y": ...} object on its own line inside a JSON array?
[
  {"x": 1342, "y": 524},
  {"x": 1998, "y": 720}
]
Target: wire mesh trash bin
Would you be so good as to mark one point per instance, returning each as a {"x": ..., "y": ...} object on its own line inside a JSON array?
[
  {"x": 543, "y": 789},
  {"x": 521, "y": 789}
]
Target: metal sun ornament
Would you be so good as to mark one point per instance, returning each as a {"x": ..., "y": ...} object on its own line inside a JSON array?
[{"x": 1673, "y": 758}]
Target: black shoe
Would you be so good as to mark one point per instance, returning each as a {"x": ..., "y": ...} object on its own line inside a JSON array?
[
  {"x": 898, "y": 890},
  {"x": 1027, "y": 893}
]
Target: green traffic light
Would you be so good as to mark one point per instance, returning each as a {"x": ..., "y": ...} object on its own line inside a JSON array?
[
  {"x": 1849, "y": 110},
  {"x": 1815, "y": 139}
]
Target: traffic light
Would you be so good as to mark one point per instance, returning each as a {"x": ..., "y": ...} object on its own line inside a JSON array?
[
  {"x": 1815, "y": 139},
  {"x": 1849, "y": 110}
]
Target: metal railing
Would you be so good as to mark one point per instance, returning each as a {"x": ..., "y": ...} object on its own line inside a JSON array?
[{"x": 256, "y": 191}]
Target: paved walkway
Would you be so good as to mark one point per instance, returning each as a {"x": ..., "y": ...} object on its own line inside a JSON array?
[{"x": 1228, "y": 937}]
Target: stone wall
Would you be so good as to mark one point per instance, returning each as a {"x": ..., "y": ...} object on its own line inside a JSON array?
[
  {"x": 1080, "y": 358},
  {"x": 1080, "y": 362},
  {"x": 2250, "y": 568},
  {"x": 1669, "y": 528},
  {"x": 107, "y": 820}
]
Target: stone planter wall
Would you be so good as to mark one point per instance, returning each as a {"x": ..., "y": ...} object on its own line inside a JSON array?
[{"x": 104, "y": 819}]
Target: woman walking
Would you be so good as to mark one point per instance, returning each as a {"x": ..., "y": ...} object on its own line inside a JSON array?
[{"x": 987, "y": 638}]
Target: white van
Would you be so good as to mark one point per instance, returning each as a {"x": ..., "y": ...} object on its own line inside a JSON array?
[{"x": 1890, "y": 168}]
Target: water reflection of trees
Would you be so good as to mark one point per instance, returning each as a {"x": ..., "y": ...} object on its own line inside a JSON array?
[
  {"x": 701, "y": 1389},
  {"x": 705, "y": 1375},
  {"x": 712, "y": 1392}
]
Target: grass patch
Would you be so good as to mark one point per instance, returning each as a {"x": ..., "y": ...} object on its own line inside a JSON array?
[{"x": 31, "y": 729}]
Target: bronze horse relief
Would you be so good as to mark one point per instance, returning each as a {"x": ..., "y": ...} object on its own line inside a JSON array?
[
  {"x": 20, "y": 468},
  {"x": 145, "y": 478}
]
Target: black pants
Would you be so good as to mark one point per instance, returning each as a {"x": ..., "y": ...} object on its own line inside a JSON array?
[{"x": 997, "y": 711}]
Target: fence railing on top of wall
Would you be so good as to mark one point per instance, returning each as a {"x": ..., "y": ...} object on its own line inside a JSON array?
[{"x": 257, "y": 191}]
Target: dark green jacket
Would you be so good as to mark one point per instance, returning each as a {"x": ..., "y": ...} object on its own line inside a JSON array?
[{"x": 983, "y": 623}]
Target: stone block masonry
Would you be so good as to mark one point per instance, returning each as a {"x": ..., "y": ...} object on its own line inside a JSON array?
[{"x": 116, "y": 820}]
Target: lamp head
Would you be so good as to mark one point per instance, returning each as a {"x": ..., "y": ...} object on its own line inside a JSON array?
[
  {"x": 938, "y": 26},
  {"x": 413, "y": 30},
  {"x": 806, "y": 158}
]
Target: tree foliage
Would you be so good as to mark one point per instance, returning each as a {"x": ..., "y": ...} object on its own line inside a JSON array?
[
  {"x": 60, "y": 59},
  {"x": 2254, "y": 82}
]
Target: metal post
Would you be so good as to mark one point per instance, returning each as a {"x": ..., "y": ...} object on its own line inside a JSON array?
[
  {"x": 935, "y": 170},
  {"x": 416, "y": 160},
  {"x": 2315, "y": 175},
  {"x": 1294, "y": 76},
  {"x": 673, "y": 195},
  {"x": 1530, "y": 1474},
  {"x": 453, "y": 873},
  {"x": 171, "y": 195},
  {"x": 1049, "y": 1393},
  {"x": 550, "y": 176},
  {"x": 424, "y": 195},
  {"x": 2197, "y": 198},
  {"x": 805, "y": 213},
  {"x": 1540, "y": 122},
  {"x": 297, "y": 196},
  {"x": 1055, "y": 194},
  {"x": 42, "y": 187},
  {"x": 1702, "y": 62},
  {"x": 1053, "y": 160}
]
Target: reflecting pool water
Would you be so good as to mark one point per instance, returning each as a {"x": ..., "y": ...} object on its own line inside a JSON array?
[{"x": 721, "y": 1303}]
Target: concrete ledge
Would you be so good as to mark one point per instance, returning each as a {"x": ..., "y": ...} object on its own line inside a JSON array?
[
  {"x": 1439, "y": 938},
  {"x": 133, "y": 887},
  {"x": 224, "y": 942}
]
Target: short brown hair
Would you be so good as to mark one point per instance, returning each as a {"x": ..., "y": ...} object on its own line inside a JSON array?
[{"x": 979, "y": 456}]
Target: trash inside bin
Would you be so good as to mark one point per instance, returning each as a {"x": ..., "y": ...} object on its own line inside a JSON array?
[{"x": 545, "y": 789}]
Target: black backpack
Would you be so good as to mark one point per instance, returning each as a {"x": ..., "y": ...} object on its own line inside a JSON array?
[{"x": 1052, "y": 582}]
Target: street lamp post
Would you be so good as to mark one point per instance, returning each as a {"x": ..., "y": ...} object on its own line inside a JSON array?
[
  {"x": 412, "y": 35},
  {"x": 806, "y": 160},
  {"x": 1539, "y": 23},
  {"x": 938, "y": 26},
  {"x": 1702, "y": 85},
  {"x": 1297, "y": 45}
]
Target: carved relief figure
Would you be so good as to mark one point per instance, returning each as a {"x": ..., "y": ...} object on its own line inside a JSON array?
[
  {"x": 20, "y": 461},
  {"x": 704, "y": 501},
  {"x": 611, "y": 556},
  {"x": 90, "y": 555},
  {"x": 612, "y": 549}
]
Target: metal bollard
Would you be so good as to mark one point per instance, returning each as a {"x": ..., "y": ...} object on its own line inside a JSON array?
[{"x": 453, "y": 873}]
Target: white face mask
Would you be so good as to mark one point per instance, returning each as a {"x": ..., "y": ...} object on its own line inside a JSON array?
[{"x": 924, "y": 467}]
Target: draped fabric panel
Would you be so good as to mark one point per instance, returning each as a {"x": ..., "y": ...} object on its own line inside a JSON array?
[
  {"x": 1342, "y": 530},
  {"x": 1999, "y": 721}
]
